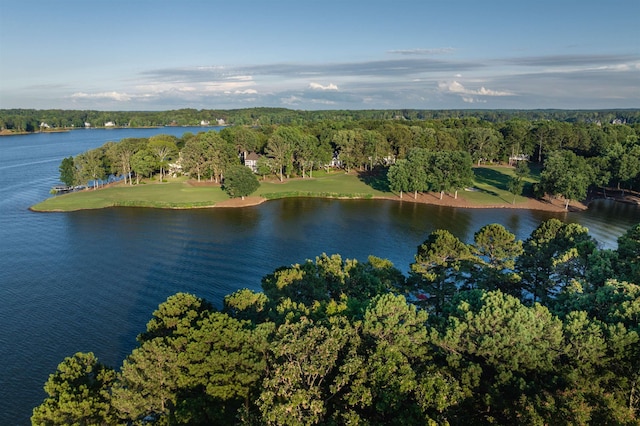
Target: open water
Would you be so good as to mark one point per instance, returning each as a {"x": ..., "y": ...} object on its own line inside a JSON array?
[{"x": 90, "y": 280}]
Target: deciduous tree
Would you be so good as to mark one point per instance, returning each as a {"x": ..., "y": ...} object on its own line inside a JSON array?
[
  {"x": 143, "y": 164},
  {"x": 350, "y": 144},
  {"x": 483, "y": 144},
  {"x": 164, "y": 148},
  {"x": 240, "y": 181},
  {"x": 195, "y": 156},
  {"x": 121, "y": 154},
  {"x": 280, "y": 148},
  {"x": 90, "y": 167},
  {"x": 68, "y": 171},
  {"x": 398, "y": 176},
  {"x": 566, "y": 174}
]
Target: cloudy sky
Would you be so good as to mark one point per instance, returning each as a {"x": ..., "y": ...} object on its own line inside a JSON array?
[{"x": 319, "y": 54}]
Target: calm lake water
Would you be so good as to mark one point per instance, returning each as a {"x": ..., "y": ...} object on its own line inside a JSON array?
[{"x": 89, "y": 281}]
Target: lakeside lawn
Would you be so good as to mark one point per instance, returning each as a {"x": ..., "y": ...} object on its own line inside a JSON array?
[
  {"x": 490, "y": 186},
  {"x": 175, "y": 193},
  {"x": 335, "y": 185}
]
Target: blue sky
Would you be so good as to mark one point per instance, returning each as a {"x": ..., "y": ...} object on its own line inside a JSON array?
[{"x": 302, "y": 54}]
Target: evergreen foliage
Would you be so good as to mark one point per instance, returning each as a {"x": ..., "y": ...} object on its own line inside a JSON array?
[{"x": 494, "y": 331}]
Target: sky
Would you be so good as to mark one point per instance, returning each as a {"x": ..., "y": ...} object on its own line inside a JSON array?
[{"x": 319, "y": 54}]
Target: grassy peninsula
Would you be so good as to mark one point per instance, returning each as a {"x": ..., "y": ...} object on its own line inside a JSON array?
[{"x": 489, "y": 190}]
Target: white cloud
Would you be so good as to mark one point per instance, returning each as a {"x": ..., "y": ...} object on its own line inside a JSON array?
[
  {"x": 291, "y": 100},
  {"x": 472, "y": 100},
  {"x": 457, "y": 88},
  {"x": 116, "y": 96},
  {"x": 453, "y": 86},
  {"x": 487, "y": 92},
  {"x": 317, "y": 86},
  {"x": 436, "y": 51},
  {"x": 241, "y": 78},
  {"x": 246, "y": 92},
  {"x": 322, "y": 102}
]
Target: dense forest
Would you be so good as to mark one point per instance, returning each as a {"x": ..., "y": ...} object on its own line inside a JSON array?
[
  {"x": 572, "y": 158},
  {"x": 29, "y": 120},
  {"x": 492, "y": 331}
]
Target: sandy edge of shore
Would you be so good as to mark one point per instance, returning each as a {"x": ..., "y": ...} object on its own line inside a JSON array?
[{"x": 434, "y": 199}]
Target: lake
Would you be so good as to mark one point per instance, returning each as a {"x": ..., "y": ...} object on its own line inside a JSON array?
[{"x": 90, "y": 280}]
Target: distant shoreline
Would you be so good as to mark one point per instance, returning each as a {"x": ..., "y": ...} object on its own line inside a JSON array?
[{"x": 6, "y": 132}]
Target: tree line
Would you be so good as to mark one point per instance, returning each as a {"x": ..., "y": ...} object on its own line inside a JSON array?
[
  {"x": 427, "y": 155},
  {"x": 494, "y": 331},
  {"x": 30, "y": 120}
]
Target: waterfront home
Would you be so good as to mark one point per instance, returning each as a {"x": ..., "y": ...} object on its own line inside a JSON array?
[{"x": 251, "y": 160}]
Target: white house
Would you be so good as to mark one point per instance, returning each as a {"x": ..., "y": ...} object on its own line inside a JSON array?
[
  {"x": 513, "y": 159},
  {"x": 174, "y": 169},
  {"x": 335, "y": 160},
  {"x": 251, "y": 161}
]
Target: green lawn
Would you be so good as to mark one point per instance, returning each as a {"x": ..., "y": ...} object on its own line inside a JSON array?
[
  {"x": 177, "y": 194},
  {"x": 490, "y": 184},
  {"x": 326, "y": 185}
]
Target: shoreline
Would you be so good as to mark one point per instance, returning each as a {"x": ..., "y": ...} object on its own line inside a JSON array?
[
  {"x": 71, "y": 129},
  {"x": 555, "y": 206},
  {"x": 552, "y": 205}
]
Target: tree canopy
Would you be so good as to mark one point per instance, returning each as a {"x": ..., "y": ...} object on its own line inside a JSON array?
[
  {"x": 490, "y": 331},
  {"x": 573, "y": 153},
  {"x": 240, "y": 181}
]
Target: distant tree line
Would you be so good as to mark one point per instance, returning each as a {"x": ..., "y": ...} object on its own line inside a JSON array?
[
  {"x": 419, "y": 155},
  {"x": 30, "y": 120},
  {"x": 494, "y": 331}
]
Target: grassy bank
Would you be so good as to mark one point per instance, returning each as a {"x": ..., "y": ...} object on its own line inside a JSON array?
[
  {"x": 333, "y": 185},
  {"x": 490, "y": 188},
  {"x": 173, "y": 194}
]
